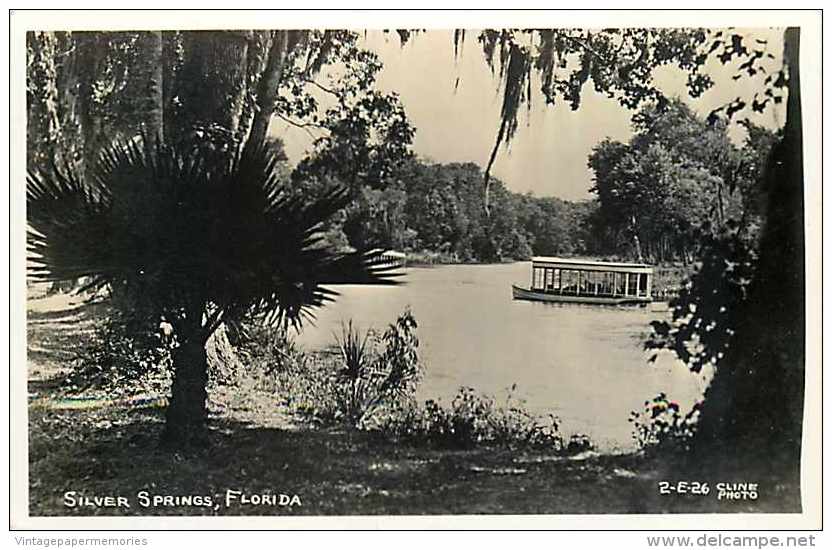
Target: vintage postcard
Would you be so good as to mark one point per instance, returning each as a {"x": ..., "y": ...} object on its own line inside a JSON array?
[{"x": 523, "y": 270}]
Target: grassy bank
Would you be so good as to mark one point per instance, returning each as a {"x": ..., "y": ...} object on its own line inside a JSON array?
[
  {"x": 260, "y": 445},
  {"x": 113, "y": 451}
]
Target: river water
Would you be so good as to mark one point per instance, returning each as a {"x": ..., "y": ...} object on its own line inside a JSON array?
[{"x": 583, "y": 363}]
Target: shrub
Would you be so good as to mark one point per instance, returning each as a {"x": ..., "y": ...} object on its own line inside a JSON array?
[
  {"x": 120, "y": 359},
  {"x": 473, "y": 420},
  {"x": 368, "y": 373},
  {"x": 661, "y": 425},
  {"x": 369, "y": 380},
  {"x": 376, "y": 371},
  {"x": 268, "y": 349},
  {"x": 126, "y": 355}
]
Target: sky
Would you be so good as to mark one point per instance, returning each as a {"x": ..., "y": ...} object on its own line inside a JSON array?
[{"x": 548, "y": 155}]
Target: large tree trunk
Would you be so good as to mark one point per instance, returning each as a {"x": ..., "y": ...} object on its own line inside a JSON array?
[
  {"x": 187, "y": 414},
  {"x": 171, "y": 65},
  {"x": 46, "y": 114},
  {"x": 91, "y": 53},
  {"x": 754, "y": 407},
  {"x": 147, "y": 78},
  {"x": 43, "y": 127},
  {"x": 72, "y": 142},
  {"x": 211, "y": 84},
  {"x": 267, "y": 88}
]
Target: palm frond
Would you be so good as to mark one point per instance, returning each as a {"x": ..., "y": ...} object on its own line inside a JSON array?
[
  {"x": 66, "y": 219},
  {"x": 175, "y": 226}
]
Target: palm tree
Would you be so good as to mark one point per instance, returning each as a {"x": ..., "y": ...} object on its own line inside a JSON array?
[{"x": 198, "y": 238}]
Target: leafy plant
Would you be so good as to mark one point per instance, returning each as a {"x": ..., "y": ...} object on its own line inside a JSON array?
[
  {"x": 661, "y": 425},
  {"x": 705, "y": 313},
  {"x": 376, "y": 371},
  {"x": 267, "y": 348},
  {"x": 124, "y": 356},
  {"x": 473, "y": 420},
  {"x": 122, "y": 360}
]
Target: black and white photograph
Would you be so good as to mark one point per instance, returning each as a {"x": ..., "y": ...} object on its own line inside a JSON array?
[{"x": 498, "y": 265}]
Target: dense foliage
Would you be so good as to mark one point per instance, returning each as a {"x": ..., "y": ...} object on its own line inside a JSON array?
[
  {"x": 438, "y": 208},
  {"x": 122, "y": 360},
  {"x": 661, "y": 425},
  {"x": 660, "y": 197},
  {"x": 444, "y": 213},
  {"x": 676, "y": 183},
  {"x": 706, "y": 311}
]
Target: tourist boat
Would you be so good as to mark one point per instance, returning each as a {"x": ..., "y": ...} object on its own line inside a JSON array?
[{"x": 587, "y": 282}]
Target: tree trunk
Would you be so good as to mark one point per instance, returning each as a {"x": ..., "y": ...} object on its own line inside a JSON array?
[
  {"x": 754, "y": 407},
  {"x": 267, "y": 87},
  {"x": 171, "y": 65},
  {"x": 43, "y": 129},
  {"x": 186, "y": 414},
  {"x": 636, "y": 242},
  {"x": 147, "y": 78},
  {"x": 211, "y": 85},
  {"x": 72, "y": 141},
  {"x": 90, "y": 56}
]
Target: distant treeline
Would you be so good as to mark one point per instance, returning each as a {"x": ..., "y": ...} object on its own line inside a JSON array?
[
  {"x": 678, "y": 178},
  {"x": 655, "y": 197},
  {"x": 438, "y": 209}
]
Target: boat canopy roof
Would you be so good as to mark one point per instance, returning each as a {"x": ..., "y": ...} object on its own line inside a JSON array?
[{"x": 590, "y": 265}]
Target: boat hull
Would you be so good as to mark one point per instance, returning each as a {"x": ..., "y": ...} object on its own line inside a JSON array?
[{"x": 520, "y": 293}]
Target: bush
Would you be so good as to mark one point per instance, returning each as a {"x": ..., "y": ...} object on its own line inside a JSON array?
[
  {"x": 367, "y": 373},
  {"x": 268, "y": 349},
  {"x": 375, "y": 371},
  {"x": 661, "y": 426},
  {"x": 126, "y": 356},
  {"x": 122, "y": 360},
  {"x": 706, "y": 308},
  {"x": 473, "y": 420}
]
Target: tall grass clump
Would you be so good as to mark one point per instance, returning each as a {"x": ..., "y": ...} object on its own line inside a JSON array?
[
  {"x": 376, "y": 371},
  {"x": 364, "y": 374}
]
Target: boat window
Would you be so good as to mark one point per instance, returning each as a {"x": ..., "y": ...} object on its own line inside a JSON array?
[
  {"x": 632, "y": 284},
  {"x": 642, "y": 284},
  {"x": 550, "y": 279},
  {"x": 620, "y": 289},
  {"x": 608, "y": 286},
  {"x": 597, "y": 281},
  {"x": 538, "y": 278},
  {"x": 569, "y": 282},
  {"x": 588, "y": 282}
]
